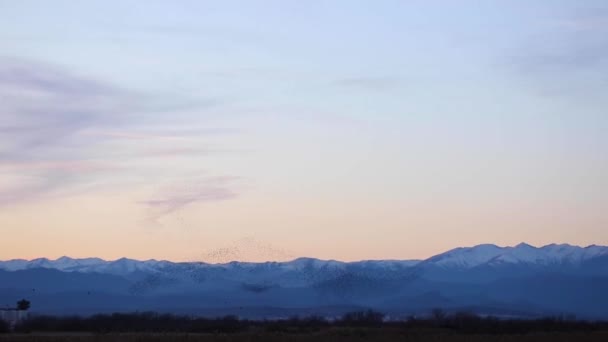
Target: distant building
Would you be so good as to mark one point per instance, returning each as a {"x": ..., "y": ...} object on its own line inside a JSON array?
[{"x": 12, "y": 316}]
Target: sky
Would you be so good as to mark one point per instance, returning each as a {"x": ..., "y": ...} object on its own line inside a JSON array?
[{"x": 268, "y": 130}]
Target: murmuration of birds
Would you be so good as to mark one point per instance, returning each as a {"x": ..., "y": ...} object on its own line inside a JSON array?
[{"x": 328, "y": 279}]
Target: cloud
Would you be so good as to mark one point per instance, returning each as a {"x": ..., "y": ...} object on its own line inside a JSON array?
[
  {"x": 48, "y": 79},
  {"x": 173, "y": 152},
  {"x": 569, "y": 58},
  {"x": 16, "y": 188},
  {"x": 174, "y": 198},
  {"x": 160, "y": 133},
  {"x": 65, "y": 133},
  {"x": 44, "y": 108}
]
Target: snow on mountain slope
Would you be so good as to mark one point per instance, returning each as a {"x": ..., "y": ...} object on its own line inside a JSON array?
[
  {"x": 66, "y": 263},
  {"x": 460, "y": 277},
  {"x": 14, "y": 265},
  {"x": 125, "y": 266},
  {"x": 464, "y": 257},
  {"x": 488, "y": 254},
  {"x": 86, "y": 265}
]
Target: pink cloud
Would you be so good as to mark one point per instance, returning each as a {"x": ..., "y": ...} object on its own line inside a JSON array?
[{"x": 175, "y": 198}]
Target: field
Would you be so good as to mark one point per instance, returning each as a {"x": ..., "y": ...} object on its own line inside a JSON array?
[
  {"x": 333, "y": 334},
  {"x": 355, "y": 326}
]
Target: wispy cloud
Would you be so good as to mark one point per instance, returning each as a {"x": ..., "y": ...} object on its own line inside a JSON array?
[
  {"x": 66, "y": 130},
  {"x": 45, "y": 106},
  {"x": 187, "y": 152},
  {"x": 176, "y": 197},
  {"x": 50, "y": 80},
  {"x": 569, "y": 58},
  {"x": 43, "y": 110},
  {"x": 17, "y": 188},
  {"x": 159, "y": 133}
]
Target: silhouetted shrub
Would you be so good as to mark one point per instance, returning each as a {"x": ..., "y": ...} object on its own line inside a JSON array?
[{"x": 23, "y": 304}]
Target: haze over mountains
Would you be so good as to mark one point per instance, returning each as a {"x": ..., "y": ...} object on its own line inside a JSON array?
[{"x": 517, "y": 281}]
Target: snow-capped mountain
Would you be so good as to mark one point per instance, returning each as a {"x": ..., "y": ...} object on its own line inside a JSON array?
[
  {"x": 537, "y": 280},
  {"x": 488, "y": 254},
  {"x": 463, "y": 257},
  {"x": 67, "y": 264}
]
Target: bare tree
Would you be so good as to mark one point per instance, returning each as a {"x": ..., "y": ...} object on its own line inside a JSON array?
[{"x": 23, "y": 305}]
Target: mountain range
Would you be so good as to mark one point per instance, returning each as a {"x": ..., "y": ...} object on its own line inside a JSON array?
[{"x": 522, "y": 281}]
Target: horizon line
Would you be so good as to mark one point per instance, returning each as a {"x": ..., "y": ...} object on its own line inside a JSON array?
[{"x": 307, "y": 257}]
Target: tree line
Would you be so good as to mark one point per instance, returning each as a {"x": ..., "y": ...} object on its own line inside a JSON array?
[{"x": 462, "y": 322}]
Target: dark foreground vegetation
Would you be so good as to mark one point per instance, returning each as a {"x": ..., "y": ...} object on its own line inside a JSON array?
[{"x": 368, "y": 325}]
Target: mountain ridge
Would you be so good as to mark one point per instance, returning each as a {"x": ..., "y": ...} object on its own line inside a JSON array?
[
  {"x": 519, "y": 245},
  {"x": 480, "y": 276}
]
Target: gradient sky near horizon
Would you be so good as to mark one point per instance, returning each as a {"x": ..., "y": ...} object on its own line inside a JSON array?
[{"x": 267, "y": 130}]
